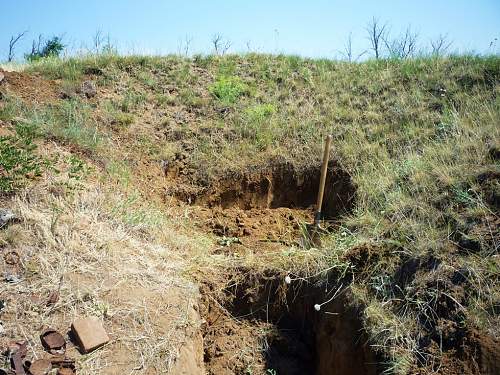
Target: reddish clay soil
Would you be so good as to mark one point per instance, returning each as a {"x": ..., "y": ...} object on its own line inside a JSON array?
[
  {"x": 32, "y": 88},
  {"x": 260, "y": 209}
]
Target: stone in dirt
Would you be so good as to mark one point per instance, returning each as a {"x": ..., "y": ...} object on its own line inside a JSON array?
[
  {"x": 89, "y": 333},
  {"x": 40, "y": 367},
  {"x": 12, "y": 278},
  {"x": 88, "y": 89},
  {"x": 2, "y": 76},
  {"x": 6, "y": 216},
  {"x": 11, "y": 258},
  {"x": 52, "y": 298}
]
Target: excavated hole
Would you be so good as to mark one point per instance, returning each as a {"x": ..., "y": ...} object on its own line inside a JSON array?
[
  {"x": 300, "y": 340},
  {"x": 281, "y": 186}
]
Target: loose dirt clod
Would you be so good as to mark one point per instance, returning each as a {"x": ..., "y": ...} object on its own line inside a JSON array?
[
  {"x": 52, "y": 298},
  {"x": 88, "y": 89},
  {"x": 40, "y": 367},
  {"x": 89, "y": 333}
]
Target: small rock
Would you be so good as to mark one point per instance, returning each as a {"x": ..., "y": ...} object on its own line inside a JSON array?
[
  {"x": 53, "y": 298},
  {"x": 11, "y": 258},
  {"x": 2, "y": 76},
  {"x": 89, "y": 333},
  {"x": 88, "y": 89},
  {"x": 40, "y": 367},
  {"x": 11, "y": 278},
  {"x": 6, "y": 216}
]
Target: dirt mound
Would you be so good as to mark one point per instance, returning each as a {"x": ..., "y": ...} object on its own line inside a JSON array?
[{"x": 31, "y": 88}]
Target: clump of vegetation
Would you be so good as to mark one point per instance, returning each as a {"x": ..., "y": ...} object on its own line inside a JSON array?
[
  {"x": 227, "y": 89},
  {"x": 51, "y": 48},
  {"x": 68, "y": 121},
  {"x": 19, "y": 160}
]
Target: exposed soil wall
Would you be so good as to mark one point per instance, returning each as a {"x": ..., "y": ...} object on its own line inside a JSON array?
[
  {"x": 274, "y": 186},
  {"x": 299, "y": 339}
]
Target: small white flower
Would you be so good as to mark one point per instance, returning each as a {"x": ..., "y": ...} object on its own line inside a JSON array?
[
  {"x": 317, "y": 307},
  {"x": 288, "y": 280}
]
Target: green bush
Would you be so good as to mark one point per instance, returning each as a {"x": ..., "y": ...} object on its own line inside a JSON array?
[
  {"x": 259, "y": 112},
  {"x": 228, "y": 89},
  {"x": 52, "y": 47}
]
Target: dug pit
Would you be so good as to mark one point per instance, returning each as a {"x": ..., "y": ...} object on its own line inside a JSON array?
[
  {"x": 268, "y": 327},
  {"x": 271, "y": 203},
  {"x": 281, "y": 185}
]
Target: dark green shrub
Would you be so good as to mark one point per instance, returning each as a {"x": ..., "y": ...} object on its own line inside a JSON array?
[{"x": 52, "y": 48}]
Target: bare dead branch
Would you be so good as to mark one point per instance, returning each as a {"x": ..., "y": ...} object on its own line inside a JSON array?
[
  {"x": 404, "y": 46},
  {"x": 348, "y": 52},
  {"x": 12, "y": 44},
  {"x": 376, "y": 34},
  {"x": 98, "y": 39},
  {"x": 221, "y": 45},
  {"x": 440, "y": 45},
  {"x": 184, "y": 45}
]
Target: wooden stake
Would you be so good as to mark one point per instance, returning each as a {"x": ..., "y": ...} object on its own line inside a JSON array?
[{"x": 322, "y": 181}]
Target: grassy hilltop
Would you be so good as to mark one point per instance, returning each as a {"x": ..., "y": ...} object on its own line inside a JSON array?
[{"x": 417, "y": 142}]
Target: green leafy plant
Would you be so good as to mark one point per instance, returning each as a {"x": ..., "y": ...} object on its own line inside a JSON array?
[
  {"x": 228, "y": 89},
  {"x": 18, "y": 158},
  {"x": 52, "y": 47}
]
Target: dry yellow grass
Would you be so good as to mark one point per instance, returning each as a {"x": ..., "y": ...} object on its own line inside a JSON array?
[{"x": 102, "y": 267}]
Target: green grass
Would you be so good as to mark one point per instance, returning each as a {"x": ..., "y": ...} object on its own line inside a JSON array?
[{"x": 70, "y": 122}]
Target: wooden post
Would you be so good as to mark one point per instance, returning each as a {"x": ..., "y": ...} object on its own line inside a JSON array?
[{"x": 322, "y": 181}]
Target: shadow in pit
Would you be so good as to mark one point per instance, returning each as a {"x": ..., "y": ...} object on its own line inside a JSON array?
[{"x": 326, "y": 342}]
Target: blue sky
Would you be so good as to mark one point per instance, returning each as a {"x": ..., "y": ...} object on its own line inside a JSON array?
[{"x": 316, "y": 28}]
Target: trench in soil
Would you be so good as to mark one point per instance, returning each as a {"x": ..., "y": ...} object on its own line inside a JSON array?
[
  {"x": 262, "y": 325},
  {"x": 269, "y": 327},
  {"x": 281, "y": 185},
  {"x": 271, "y": 203}
]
